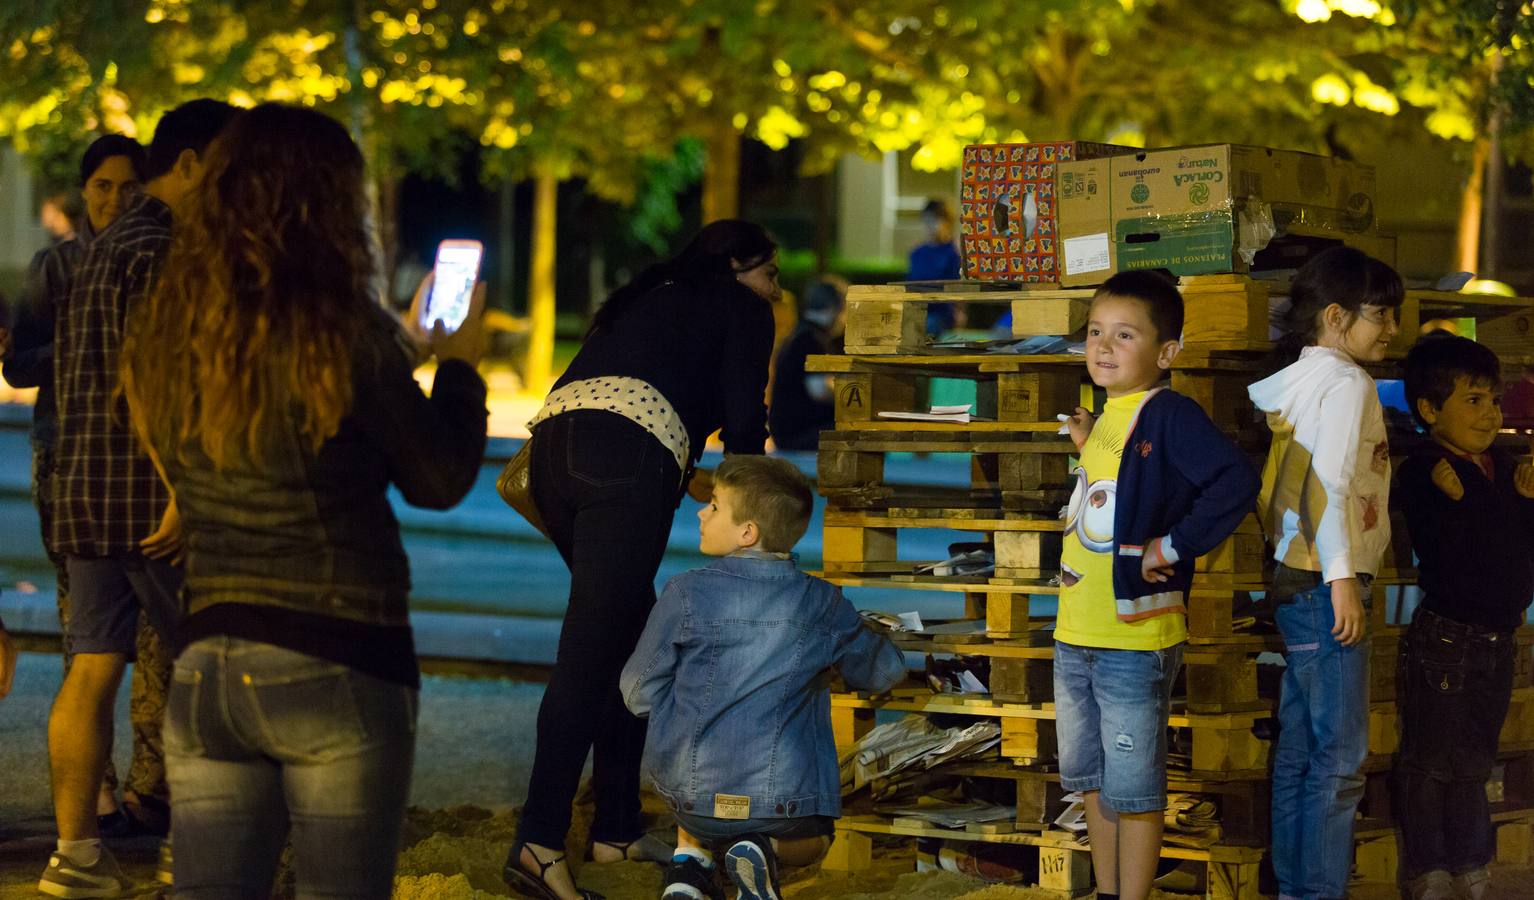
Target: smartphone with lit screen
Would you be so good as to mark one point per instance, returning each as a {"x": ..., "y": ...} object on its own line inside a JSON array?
[{"x": 452, "y": 286}]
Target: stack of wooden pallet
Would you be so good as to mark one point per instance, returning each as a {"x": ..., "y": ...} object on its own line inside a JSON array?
[{"x": 1018, "y": 482}]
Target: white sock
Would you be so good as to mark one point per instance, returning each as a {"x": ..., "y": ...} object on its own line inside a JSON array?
[
  {"x": 697, "y": 853},
  {"x": 86, "y": 853}
]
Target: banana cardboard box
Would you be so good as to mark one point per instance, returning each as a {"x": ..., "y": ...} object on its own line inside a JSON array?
[{"x": 1214, "y": 208}]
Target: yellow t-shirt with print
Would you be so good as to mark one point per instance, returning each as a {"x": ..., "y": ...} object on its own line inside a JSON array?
[{"x": 1088, "y": 615}]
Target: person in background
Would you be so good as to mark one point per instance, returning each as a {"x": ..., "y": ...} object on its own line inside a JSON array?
[
  {"x": 1157, "y": 486},
  {"x": 58, "y": 215},
  {"x": 7, "y": 661},
  {"x": 735, "y": 656},
  {"x": 1469, "y": 506},
  {"x": 108, "y": 498},
  {"x": 802, "y": 403},
  {"x": 677, "y": 353},
  {"x": 1324, "y": 507},
  {"x": 936, "y": 258},
  {"x": 278, "y": 398},
  {"x": 111, "y": 172}
]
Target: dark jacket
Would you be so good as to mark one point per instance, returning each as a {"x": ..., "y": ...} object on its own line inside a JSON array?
[
  {"x": 30, "y": 363},
  {"x": 704, "y": 345},
  {"x": 1475, "y": 555},
  {"x": 314, "y": 533},
  {"x": 1179, "y": 477}
]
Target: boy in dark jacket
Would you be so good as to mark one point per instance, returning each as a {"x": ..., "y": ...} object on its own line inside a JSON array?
[
  {"x": 1157, "y": 486},
  {"x": 1469, "y": 509},
  {"x": 731, "y": 672}
]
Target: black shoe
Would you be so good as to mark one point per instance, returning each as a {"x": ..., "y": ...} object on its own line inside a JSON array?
[
  {"x": 753, "y": 867},
  {"x": 529, "y": 885},
  {"x": 688, "y": 879}
]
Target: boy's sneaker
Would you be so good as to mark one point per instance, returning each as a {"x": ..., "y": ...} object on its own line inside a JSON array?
[
  {"x": 1472, "y": 885},
  {"x": 753, "y": 867},
  {"x": 688, "y": 879},
  {"x": 66, "y": 878},
  {"x": 1434, "y": 885}
]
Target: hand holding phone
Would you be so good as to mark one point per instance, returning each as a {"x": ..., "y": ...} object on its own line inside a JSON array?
[{"x": 452, "y": 285}]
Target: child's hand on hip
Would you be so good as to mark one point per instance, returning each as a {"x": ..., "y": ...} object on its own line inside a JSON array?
[
  {"x": 1348, "y": 611},
  {"x": 1154, "y": 566},
  {"x": 1523, "y": 480},
  {"x": 1445, "y": 479}
]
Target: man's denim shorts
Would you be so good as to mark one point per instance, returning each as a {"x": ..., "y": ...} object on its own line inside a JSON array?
[
  {"x": 106, "y": 594},
  {"x": 1111, "y": 709}
]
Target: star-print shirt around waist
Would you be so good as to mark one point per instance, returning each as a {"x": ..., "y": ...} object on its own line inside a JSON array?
[{"x": 632, "y": 398}]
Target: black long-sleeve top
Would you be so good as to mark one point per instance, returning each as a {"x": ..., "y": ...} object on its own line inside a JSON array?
[
  {"x": 1475, "y": 554},
  {"x": 704, "y": 345}
]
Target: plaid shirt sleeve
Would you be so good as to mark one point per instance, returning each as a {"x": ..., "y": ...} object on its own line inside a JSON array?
[{"x": 108, "y": 495}]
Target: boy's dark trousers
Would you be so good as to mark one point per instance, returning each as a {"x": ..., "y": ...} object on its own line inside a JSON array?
[{"x": 1455, "y": 682}]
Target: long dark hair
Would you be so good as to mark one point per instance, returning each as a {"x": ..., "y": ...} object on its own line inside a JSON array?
[
  {"x": 264, "y": 292},
  {"x": 716, "y": 252},
  {"x": 1346, "y": 276}
]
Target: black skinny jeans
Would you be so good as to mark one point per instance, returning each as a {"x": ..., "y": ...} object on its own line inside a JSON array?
[
  {"x": 607, "y": 491},
  {"x": 1456, "y": 681}
]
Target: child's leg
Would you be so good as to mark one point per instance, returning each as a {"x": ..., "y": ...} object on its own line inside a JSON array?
[
  {"x": 1139, "y": 852},
  {"x": 687, "y": 845},
  {"x": 1302, "y": 634},
  {"x": 1470, "y": 838},
  {"x": 1103, "y": 831},
  {"x": 1424, "y": 768},
  {"x": 801, "y": 851},
  {"x": 1079, "y": 734},
  {"x": 1134, "y": 692},
  {"x": 1339, "y": 721}
]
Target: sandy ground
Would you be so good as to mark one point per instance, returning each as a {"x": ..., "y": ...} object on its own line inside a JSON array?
[{"x": 474, "y": 747}]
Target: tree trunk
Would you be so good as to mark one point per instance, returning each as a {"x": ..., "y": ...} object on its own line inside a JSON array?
[
  {"x": 1491, "y": 217},
  {"x": 721, "y": 174},
  {"x": 540, "y": 285},
  {"x": 506, "y": 243},
  {"x": 1467, "y": 241}
]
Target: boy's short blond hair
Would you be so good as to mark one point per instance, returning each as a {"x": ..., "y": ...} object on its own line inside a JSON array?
[{"x": 771, "y": 492}]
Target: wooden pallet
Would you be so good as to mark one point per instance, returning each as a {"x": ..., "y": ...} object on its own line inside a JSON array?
[{"x": 1065, "y": 867}]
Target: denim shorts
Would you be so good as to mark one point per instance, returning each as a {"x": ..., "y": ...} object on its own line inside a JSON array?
[
  {"x": 1111, "y": 709},
  {"x": 106, "y": 594}
]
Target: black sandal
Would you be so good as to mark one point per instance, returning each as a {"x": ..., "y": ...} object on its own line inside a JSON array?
[{"x": 530, "y": 885}]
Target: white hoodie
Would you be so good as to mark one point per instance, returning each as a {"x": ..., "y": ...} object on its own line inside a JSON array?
[{"x": 1326, "y": 486}]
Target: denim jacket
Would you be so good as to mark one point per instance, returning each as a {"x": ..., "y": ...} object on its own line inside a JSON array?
[
  {"x": 314, "y": 532},
  {"x": 731, "y": 669}
]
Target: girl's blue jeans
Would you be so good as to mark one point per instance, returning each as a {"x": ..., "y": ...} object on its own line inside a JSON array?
[{"x": 1323, "y": 739}]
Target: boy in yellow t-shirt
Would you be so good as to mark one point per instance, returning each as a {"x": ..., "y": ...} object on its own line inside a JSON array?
[{"x": 1156, "y": 487}]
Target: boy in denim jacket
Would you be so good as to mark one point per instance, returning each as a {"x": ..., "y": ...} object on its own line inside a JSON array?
[
  {"x": 1157, "y": 486},
  {"x": 1469, "y": 510},
  {"x": 731, "y": 672}
]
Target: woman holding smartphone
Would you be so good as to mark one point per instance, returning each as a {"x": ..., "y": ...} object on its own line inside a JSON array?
[
  {"x": 670, "y": 358},
  {"x": 278, "y": 398}
]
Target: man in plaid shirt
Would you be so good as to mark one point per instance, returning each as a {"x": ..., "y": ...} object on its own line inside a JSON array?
[{"x": 108, "y": 498}]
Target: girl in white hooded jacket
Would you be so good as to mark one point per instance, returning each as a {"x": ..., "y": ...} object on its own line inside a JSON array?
[{"x": 1324, "y": 506}]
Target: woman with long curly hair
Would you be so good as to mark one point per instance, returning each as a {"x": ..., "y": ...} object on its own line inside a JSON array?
[{"x": 277, "y": 397}]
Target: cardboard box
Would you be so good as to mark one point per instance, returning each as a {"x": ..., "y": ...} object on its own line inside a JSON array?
[
  {"x": 1087, "y": 252},
  {"x": 1211, "y": 208},
  {"x": 1007, "y": 208}
]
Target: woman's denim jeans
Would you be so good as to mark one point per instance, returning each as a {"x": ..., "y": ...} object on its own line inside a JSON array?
[
  {"x": 260, "y": 741},
  {"x": 1322, "y": 742}
]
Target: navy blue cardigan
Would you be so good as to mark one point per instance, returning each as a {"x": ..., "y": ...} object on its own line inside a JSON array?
[{"x": 1179, "y": 477}]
